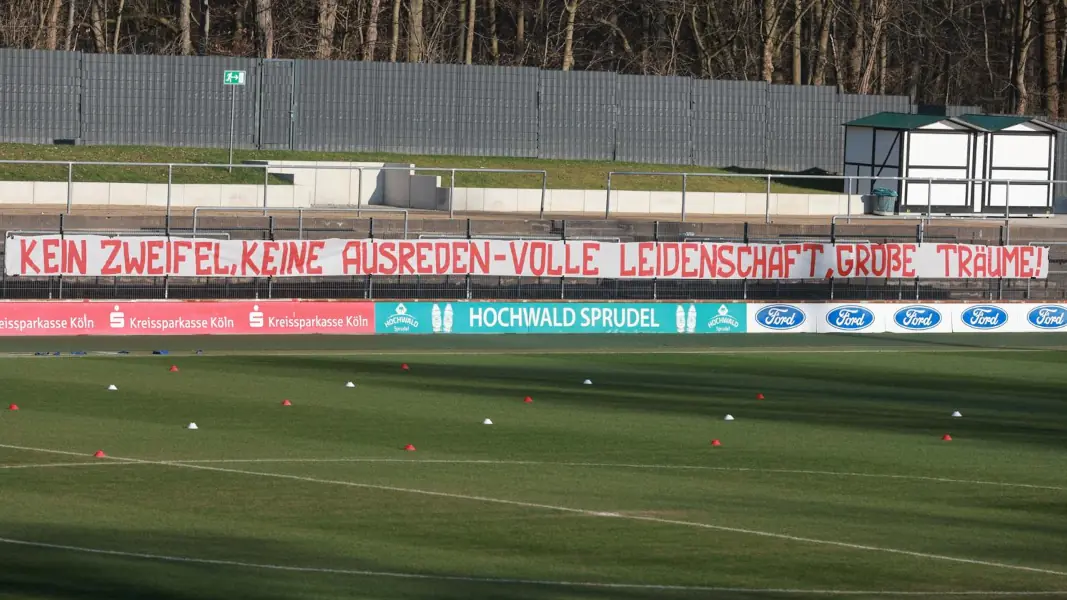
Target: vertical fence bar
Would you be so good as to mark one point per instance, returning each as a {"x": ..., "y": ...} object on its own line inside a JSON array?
[
  {"x": 685, "y": 184},
  {"x": 929, "y": 197},
  {"x": 767, "y": 202},
  {"x": 266, "y": 182},
  {"x": 359, "y": 191},
  {"x": 848, "y": 200},
  {"x": 170, "y": 186},
  {"x": 70, "y": 186},
  {"x": 451, "y": 196},
  {"x": 607, "y": 199},
  {"x": 1007, "y": 201},
  {"x": 544, "y": 193}
]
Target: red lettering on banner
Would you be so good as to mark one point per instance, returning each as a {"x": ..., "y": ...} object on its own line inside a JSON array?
[
  {"x": 553, "y": 266},
  {"x": 670, "y": 259},
  {"x": 460, "y": 254},
  {"x": 743, "y": 269},
  {"x": 133, "y": 263},
  {"x": 350, "y": 257},
  {"x": 589, "y": 250},
  {"x": 51, "y": 259},
  {"x": 624, "y": 269},
  {"x": 154, "y": 250},
  {"x": 950, "y": 251},
  {"x": 791, "y": 251},
  {"x": 111, "y": 264},
  {"x": 74, "y": 257},
  {"x": 863, "y": 260},
  {"x": 386, "y": 261},
  {"x": 202, "y": 251},
  {"x": 537, "y": 258},
  {"x": 220, "y": 269},
  {"x": 981, "y": 263},
  {"x": 966, "y": 254},
  {"x": 312, "y": 264},
  {"x": 424, "y": 258},
  {"x": 814, "y": 250},
  {"x": 479, "y": 252},
  {"x": 406, "y": 253},
  {"x": 1040, "y": 261},
  {"x": 1023, "y": 268},
  {"x": 723, "y": 256},
  {"x": 443, "y": 259},
  {"x": 248, "y": 255},
  {"x": 908, "y": 250},
  {"x": 178, "y": 255},
  {"x": 572, "y": 267},
  {"x": 646, "y": 265},
  {"x": 845, "y": 261},
  {"x": 518, "y": 259},
  {"x": 267, "y": 266},
  {"x": 26, "y": 249}
]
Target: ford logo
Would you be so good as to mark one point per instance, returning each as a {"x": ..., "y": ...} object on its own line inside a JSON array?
[
  {"x": 985, "y": 316},
  {"x": 850, "y": 318},
  {"x": 1048, "y": 317},
  {"x": 917, "y": 318},
  {"x": 780, "y": 317}
]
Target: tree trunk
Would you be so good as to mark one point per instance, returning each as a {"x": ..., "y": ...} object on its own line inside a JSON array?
[
  {"x": 824, "y": 15},
  {"x": 371, "y": 39},
  {"x": 883, "y": 65},
  {"x": 205, "y": 27},
  {"x": 98, "y": 25},
  {"x": 472, "y": 9},
  {"x": 1022, "y": 53},
  {"x": 52, "y": 39},
  {"x": 461, "y": 31},
  {"x": 394, "y": 31},
  {"x": 855, "y": 52},
  {"x": 327, "y": 24},
  {"x": 416, "y": 31},
  {"x": 185, "y": 43},
  {"x": 568, "y": 39},
  {"x": 265, "y": 25},
  {"x": 1052, "y": 54},
  {"x": 520, "y": 30},
  {"x": 118, "y": 27},
  {"x": 881, "y": 10},
  {"x": 797, "y": 23},
  {"x": 494, "y": 43},
  {"x": 770, "y": 39},
  {"x": 68, "y": 44}
]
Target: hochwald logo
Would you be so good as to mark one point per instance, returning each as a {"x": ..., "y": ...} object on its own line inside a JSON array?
[
  {"x": 400, "y": 320},
  {"x": 255, "y": 318},
  {"x": 780, "y": 317},
  {"x": 985, "y": 316},
  {"x": 723, "y": 321},
  {"x": 1048, "y": 317},
  {"x": 917, "y": 318},
  {"x": 117, "y": 318},
  {"x": 850, "y": 318}
]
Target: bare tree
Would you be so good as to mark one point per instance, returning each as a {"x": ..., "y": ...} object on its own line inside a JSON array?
[
  {"x": 394, "y": 31},
  {"x": 1021, "y": 44},
  {"x": 571, "y": 8},
  {"x": 472, "y": 13},
  {"x": 770, "y": 17},
  {"x": 52, "y": 40},
  {"x": 185, "y": 12},
  {"x": 327, "y": 23},
  {"x": 98, "y": 24},
  {"x": 68, "y": 44},
  {"x": 370, "y": 41},
  {"x": 1050, "y": 35},
  {"x": 205, "y": 27},
  {"x": 264, "y": 28},
  {"x": 416, "y": 31}
]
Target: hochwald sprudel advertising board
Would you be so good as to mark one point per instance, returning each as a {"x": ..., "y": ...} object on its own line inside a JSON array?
[
  {"x": 283, "y": 317},
  {"x": 103, "y": 256}
]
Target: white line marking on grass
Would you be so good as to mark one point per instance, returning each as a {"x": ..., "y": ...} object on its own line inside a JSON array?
[
  {"x": 506, "y": 581},
  {"x": 580, "y": 511},
  {"x": 50, "y": 465},
  {"x": 624, "y": 466}
]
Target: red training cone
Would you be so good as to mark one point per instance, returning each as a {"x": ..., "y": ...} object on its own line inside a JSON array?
[
  {"x": 286, "y": 403},
  {"x": 99, "y": 454},
  {"x": 759, "y": 396},
  {"x": 528, "y": 400},
  {"x": 174, "y": 368},
  {"x": 405, "y": 367},
  {"x": 409, "y": 448},
  {"x": 13, "y": 407},
  {"x": 716, "y": 443},
  {"x": 947, "y": 437}
]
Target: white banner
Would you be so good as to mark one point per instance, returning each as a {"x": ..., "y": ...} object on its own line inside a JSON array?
[{"x": 96, "y": 256}]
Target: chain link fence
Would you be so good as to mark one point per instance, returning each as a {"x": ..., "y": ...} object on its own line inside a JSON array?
[{"x": 556, "y": 288}]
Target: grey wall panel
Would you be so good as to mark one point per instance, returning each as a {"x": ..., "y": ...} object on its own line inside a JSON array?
[
  {"x": 338, "y": 106},
  {"x": 496, "y": 111},
  {"x": 419, "y": 115},
  {"x": 578, "y": 115},
  {"x": 40, "y": 95},
  {"x": 200, "y": 103},
  {"x": 654, "y": 117},
  {"x": 729, "y": 123},
  {"x": 799, "y": 122}
]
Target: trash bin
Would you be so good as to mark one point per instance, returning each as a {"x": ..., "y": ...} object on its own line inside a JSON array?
[{"x": 885, "y": 201}]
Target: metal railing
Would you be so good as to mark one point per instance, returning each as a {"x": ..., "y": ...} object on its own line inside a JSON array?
[
  {"x": 274, "y": 169},
  {"x": 299, "y": 214},
  {"x": 849, "y": 185}
]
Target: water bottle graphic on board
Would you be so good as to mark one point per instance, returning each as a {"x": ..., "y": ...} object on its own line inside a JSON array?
[
  {"x": 448, "y": 318},
  {"x": 691, "y": 319},
  {"x": 435, "y": 318},
  {"x": 679, "y": 319}
]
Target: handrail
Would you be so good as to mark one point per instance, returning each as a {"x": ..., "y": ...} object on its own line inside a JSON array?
[{"x": 300, "y": 210}]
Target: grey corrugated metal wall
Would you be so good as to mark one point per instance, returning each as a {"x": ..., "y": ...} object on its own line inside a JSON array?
[{"x": 428, "y": 109}]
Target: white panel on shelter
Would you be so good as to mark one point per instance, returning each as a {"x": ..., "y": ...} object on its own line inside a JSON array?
[
  {"x": 1027, "y": 127},
  {"x": 938, "y": 149},
  {"x": 858, "y": 142},
  {"x": 1022, "y": 195},
  {"x": 940, "y": 194},
  {"x": 1014, "y": 175},
  {"x": 887, "y": 148},
  {"x": 1020, "y": 151},
  {"x": 863, "y": 185}
]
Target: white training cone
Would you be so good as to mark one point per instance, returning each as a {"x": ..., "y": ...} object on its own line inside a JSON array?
[
  {"x": 587, "y": 382},
  {"x": 350, "y": 384},
  {"x": 191, "y": 426},
  {"x": 957, "y": 414},
  {"x": 729, "y": 418},
  {"x": 487, "y": 422},
  {"x": 112, "y": 388}
]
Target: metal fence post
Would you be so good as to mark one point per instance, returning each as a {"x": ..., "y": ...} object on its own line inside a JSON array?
[
  {"x": 607, "y": 200},
  {"x": 685, "y": 184},
  {"x": 544, "y": 193},
  {"x": 1007, "y": 201},
  {"x": 70, "y": 186},
  {"x": 929, "y": 197},
  {"x": 359, "y": 191},
  {"x": 767, "y": 203},
  {"x": 266, "y": 182},
  {"x": 170, "y": 185},
  {"x": 848, "y": 200},
  {"x": 451, "y": 196}
]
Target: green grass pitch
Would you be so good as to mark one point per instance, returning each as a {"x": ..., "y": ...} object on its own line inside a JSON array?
[{"x": 838, "y": 481}]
